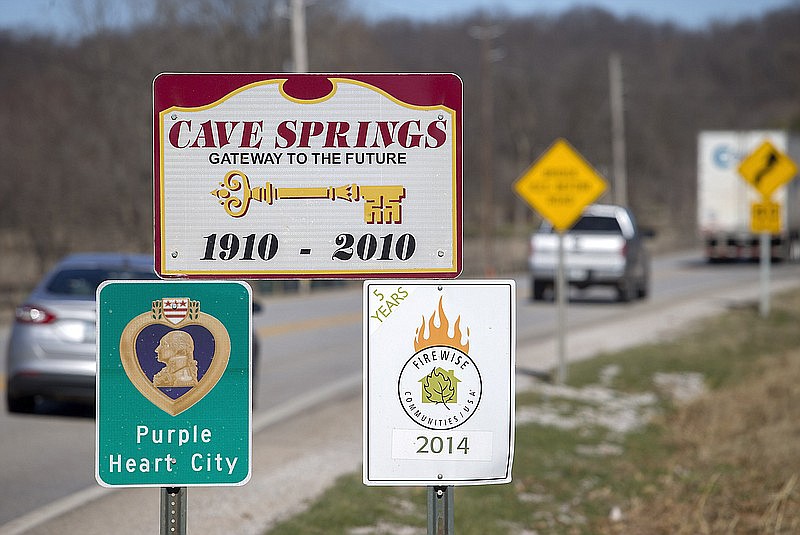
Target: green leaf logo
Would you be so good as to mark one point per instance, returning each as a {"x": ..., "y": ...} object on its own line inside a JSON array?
[{"x": 439, "y": 386}]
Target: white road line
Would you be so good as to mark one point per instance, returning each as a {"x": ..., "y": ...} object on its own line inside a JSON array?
[{"x": 346, "y": 386}]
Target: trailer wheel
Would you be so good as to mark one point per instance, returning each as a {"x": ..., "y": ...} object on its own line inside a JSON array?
[
  {"x": 794, "y": 250},
  {"x": 537, "y": 290}
]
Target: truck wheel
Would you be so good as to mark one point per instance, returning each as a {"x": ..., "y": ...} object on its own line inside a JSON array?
[
  {"x": 643, "y": 289},
  {"x": 625, "y": 291},
  {"x": 20, "y": 404},
  {"x": 794, "y": 250},
  {"x": 538, "y": 288}
]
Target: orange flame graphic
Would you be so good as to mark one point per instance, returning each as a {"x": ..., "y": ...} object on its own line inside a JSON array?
[{"x": 440, "y": 335}]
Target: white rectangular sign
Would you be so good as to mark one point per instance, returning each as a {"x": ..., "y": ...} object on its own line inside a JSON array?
[
  {"x": 439, "y": 382},
  {"x": 307, "y": 175}
]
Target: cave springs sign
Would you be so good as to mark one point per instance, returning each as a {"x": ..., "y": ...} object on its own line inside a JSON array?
[{"x": 307, "y": 175}]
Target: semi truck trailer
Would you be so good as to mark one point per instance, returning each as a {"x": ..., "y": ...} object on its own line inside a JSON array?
[{"x": 724, "y": 198}]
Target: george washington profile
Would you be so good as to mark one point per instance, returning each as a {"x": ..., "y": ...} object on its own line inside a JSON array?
[{"x": 176, "y": 351}]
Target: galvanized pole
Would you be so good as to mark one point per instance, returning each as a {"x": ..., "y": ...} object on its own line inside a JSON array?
[
  {"x": 618, "y": 129},
  {"x": 440, "y": 511},
  {"x": 561, "y": 304},
  {"x": 299, "y": 42},
  {"x": 765, "y": 261},
  {"x": 173, "y": 511}
]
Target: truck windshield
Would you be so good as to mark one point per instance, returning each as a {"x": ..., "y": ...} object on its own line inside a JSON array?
[{"x": 597, "y": 224}]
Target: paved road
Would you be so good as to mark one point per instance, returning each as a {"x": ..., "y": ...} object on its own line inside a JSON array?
[{"x": 312, "y": 352}]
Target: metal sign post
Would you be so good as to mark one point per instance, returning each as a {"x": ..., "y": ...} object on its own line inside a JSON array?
[
  {"x": 440, "y": 511},
  {"x": 439, "y": 361},
  {"x": 764, "y": 272},
  {"x": 298, "y": 176},
  {"x": 561, "y": 300},
  {"x": 174, "y": 404},
  {"x": 766, "y": 169},
  {"x": 173, "y": 511},
  {"x": 559, "y": 185},
  {"x": 765, "y": 220}
]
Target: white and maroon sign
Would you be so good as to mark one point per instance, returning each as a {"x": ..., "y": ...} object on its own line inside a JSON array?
[{"x": 307, "y": 175}]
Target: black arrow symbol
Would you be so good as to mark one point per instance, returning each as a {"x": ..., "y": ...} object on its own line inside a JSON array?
[{"x": 772, "y": 159}]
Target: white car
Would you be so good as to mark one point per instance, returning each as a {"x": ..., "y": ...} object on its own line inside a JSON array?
[{"x": 604, "y": 247}]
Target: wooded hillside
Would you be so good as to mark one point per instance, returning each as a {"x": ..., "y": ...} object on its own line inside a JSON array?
[{"x": 75, "y": 115}]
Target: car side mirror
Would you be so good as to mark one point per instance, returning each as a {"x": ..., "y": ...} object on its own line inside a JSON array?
[{"x": 649, "y": 232}]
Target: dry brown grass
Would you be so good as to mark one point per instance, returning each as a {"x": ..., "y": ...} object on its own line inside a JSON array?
[{"x": 736, "y": 466}]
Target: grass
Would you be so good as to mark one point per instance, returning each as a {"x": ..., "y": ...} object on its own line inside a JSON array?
[{"x": 616, "y": 452}]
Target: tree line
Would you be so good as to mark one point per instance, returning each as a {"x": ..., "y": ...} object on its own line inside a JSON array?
[{"x": 76, "y": 157}]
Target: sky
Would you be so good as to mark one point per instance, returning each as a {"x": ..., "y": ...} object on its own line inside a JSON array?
[
  {"x": 56, "y": 16},
  {"x": 688, "y": 13}
]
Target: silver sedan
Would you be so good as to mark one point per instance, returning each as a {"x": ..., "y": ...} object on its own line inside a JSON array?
[{"x": 51, "y": 351}]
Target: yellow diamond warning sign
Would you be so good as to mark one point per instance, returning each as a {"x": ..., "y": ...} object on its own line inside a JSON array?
[
  {"x": 767, "y": 169},
  {"x": 560, "y": 184}
]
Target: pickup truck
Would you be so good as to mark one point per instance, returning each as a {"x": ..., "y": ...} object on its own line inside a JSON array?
[{"x": 605, "y": 247}]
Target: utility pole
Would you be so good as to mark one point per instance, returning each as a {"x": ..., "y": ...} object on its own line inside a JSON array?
[
  {"x": 485, "y": 34},
  {"x": 299, "y": 42},
  {"x": 300, "y": 65},
  {"x": 618, "y": 129}
]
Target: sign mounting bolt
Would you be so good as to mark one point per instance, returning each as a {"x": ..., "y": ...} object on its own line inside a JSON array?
[{"x": 174, "y": 254}]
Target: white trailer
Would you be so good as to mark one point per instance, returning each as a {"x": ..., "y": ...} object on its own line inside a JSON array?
[{"x": 724, "y": 197}]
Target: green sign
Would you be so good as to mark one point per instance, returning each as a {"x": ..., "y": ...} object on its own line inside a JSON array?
[{"x": 173, "y": 383}]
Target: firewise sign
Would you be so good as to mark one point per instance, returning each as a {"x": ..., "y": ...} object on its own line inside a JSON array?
[
  {"x": 438, "y": 382},
  {"x": 307, "y": 175},
  {"x": 173, "y": 383}
]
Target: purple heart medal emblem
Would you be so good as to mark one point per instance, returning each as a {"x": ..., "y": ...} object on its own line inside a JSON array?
[{"x": 174, "y": 354}]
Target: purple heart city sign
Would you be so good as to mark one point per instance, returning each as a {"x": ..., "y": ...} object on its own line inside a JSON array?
[{"x": 173, "y": 383}]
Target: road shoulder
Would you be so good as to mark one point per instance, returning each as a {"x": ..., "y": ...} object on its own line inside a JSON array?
[
  {"x": 300, "y": 453},
  {"x": 291, "y": 467}
]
